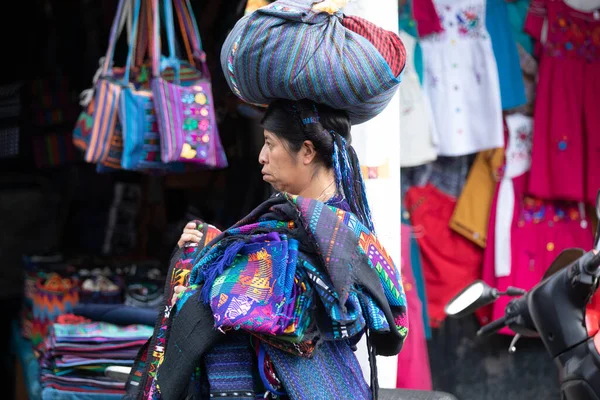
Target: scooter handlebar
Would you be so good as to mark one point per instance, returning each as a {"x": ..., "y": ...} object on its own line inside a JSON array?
[
  {"x": 493, "y": 326},
  {"x": 593, "y": 264}
]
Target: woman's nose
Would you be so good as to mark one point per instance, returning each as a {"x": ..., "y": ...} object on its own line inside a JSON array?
[{"x": 262, "y": 156}]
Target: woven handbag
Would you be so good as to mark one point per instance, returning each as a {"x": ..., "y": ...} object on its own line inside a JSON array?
[
  {"x": 142, "y": 149},
  {"x": 185, "y": 113},
  {"x": 291, "y": 50},
  {"x": 108, "y": 90},
  {"x": 85, "y": 122}
]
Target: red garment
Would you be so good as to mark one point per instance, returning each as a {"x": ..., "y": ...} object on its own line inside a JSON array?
[
  {"x": 426, "y": 17},
  {"x": 413, "y": 361},
  {"x": 450, "y": 262},
  {"x": 388, "y": 43},
  {"x": 566, "y": 139},
  {"x": 540, "y": 231}
]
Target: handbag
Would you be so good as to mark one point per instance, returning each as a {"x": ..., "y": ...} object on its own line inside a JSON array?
[
  {"x": 141, "y": 147},
  {"x": 83, "y": 127},
  {"x": 185, "y": 113},
  {"x": 108, "y": 90}
]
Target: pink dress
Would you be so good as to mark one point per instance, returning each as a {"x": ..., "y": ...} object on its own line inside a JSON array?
[
  {"x": 566, "y": 140},
  {"x": 413, "y": 361},
  {"x": 519, "y": 252},
  {"x": 539, "y": 232}
]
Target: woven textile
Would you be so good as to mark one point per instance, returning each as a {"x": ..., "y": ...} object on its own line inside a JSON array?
[
  {"x": 142, "y": 379},
  {"x": 248, "y": 279},
  {"x": 287, "y": 51},
  {"x": 333, "y": 373},
  {"x": 229, "y": 369},
  {"x": 260, "y": 292},
  {"x": 53, "y": 297},
  {"x": 335, "y": 253}
]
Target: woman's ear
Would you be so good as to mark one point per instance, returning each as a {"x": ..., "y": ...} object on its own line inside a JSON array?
[{"x": 308, "y": 153}]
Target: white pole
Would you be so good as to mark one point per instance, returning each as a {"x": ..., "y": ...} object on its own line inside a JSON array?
[{"x": 377, "y": 143}]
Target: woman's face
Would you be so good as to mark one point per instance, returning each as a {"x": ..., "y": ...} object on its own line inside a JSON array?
[{"x": 282, "y": 169}]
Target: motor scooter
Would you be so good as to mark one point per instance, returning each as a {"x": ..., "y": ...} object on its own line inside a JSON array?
[{"x": 555, "y": 311}]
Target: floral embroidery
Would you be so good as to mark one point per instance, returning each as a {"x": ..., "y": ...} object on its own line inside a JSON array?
[
  {"x": 537, "y": 211},
  {"x": 466, "y": 22},
  {"x": 469, "y": 22},
  {"x": 187, "y": 98},
  {"x": 477, "y": 76},
  {"x": 573, "y": 37},
  {"x": 432, "y": 78},
  {"x": 197, "y": 125},
  {"x": 523, "y": 144},
  {"x": 190, "y": 124}
]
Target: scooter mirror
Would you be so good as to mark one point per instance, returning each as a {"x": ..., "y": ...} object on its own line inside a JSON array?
[
  {"x": 564, "y": 259},
  {"x": 474, "y": 296}
]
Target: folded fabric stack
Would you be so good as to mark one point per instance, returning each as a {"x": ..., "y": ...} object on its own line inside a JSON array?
[{"x": 75, "y": 356}]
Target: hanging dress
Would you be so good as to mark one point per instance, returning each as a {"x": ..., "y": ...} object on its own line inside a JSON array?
[
  {"x": 413, "y": 361},
  {"x": 407, "y": 24},
  {"x": 526, "y": 234},
  {"x": 566, "y": 139},
  {"x": 418, "y": 137},
  {"x": 517, "y": 12},
  {"x": 512, "y": 89},
  {"x": 461, "y": 80}
]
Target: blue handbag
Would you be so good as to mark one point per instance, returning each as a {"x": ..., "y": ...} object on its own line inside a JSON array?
[{"x": 142, "y": 147}]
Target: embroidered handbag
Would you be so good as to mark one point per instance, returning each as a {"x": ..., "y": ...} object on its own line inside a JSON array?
[
  {"x": 186, "y": 114},
  {"x": 141, "y": 149}
]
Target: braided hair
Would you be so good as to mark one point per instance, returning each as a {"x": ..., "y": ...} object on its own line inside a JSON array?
[{"x": 329, "y": 131}]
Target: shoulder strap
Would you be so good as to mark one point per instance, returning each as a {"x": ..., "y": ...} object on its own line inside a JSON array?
[{"x": 114, "y": 34}]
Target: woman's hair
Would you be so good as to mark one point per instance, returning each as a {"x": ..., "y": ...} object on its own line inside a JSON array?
[{"x": 329, "y": 130}]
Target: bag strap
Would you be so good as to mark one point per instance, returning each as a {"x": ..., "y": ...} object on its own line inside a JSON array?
[
  {"x": 171, "y": 61},
  {"x": 125, "y": 20},
  {"x": 192, "y": 38},
  {"x": 144, "y": 32},
  {"x": 114, "y": 34},
  {"x": 190, "y": 34},
  {"x": 155, "y": 38},
  {"x": 132, "y": 40},
  {"x": 170, "y": 28}
]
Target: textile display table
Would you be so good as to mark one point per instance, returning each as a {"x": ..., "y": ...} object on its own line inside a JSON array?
[{"x": 27, "y": 381}]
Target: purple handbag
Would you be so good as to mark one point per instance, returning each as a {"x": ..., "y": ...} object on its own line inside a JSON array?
[{"x": 185, "y": 114}]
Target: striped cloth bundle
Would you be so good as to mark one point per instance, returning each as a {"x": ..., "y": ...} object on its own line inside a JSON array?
[{"x": 290, "y": 50}]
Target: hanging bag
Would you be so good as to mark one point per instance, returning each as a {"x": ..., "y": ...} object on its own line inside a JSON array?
[
  {"x": 185, "y": 113},
  {"x": 108, "y": 90},
  {"x": 138, "y": 116},
  {"x": 83, "y": 127}
]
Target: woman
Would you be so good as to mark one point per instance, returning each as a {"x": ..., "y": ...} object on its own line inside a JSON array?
[
  {"x": 340, "y": 283},
  {"x": 299, "y": 158}
]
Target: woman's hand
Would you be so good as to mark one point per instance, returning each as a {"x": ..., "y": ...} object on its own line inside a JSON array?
[
  {"x": 176, "y": 292},
  {"x": 190, "y": 235}
]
